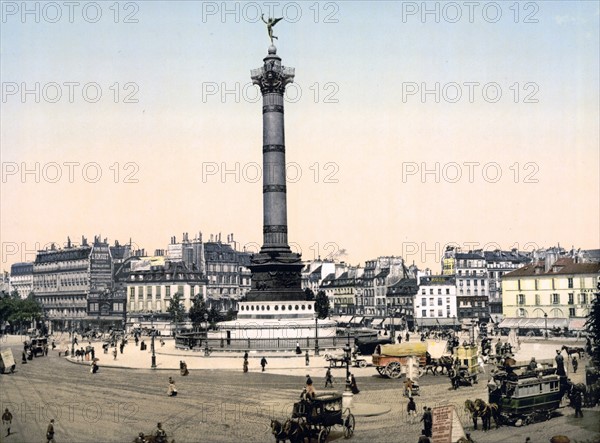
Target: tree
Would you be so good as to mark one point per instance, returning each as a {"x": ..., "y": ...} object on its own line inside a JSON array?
[
  {"x": 230, "y": 315},
  {"x": 176, "y": 310},
  {"x": 19, "y": 311},
  {"x": 197, "y": 311},
  {"x": 310, "y": 295},
  {"x": 214, "y": 316},
  {"x": 592, "y": 325},
  {"x": 322, "y": 305}
]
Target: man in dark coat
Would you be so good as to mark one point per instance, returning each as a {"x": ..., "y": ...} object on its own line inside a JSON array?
[
  {"x": 263, "y": 363},
  {"x": 560, "y": 364}
]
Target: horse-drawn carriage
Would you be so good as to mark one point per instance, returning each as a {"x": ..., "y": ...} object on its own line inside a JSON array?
[
  {"x": 392, "y": 360},
  {"x": 524, "y": 396},
  {"x": 465, "y": 372},
  {"x": 314, "y": 418}
]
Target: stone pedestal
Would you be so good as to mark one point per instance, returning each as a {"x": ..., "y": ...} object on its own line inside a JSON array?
[{"x": 347, "y": 398}]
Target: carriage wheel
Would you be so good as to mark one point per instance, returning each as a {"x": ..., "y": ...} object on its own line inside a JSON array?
[
  {"x": 349, "y": 424},
  {"x": 323, "y": 436},
  {"x": 381, "y": 370},
  {"x": 393, "y": 370},
  {"x": 362, "y": 364}
]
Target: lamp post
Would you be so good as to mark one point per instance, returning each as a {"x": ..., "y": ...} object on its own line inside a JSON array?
[
  {"x": 392, "y": 329},
  {"x": 73, "y": 334},
  {"x": 316, "y": 334},
  {"x": 153, "y": 365},
  {"x": 206, "y": 352},
  {"x": 348, "y": 357},
  {"x": 454, "y": 323},
  {"x": 546, "y": 325}
]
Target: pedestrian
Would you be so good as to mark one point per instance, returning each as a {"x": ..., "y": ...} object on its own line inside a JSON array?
[
  {"x": 411, "y": 409},
  {"x": 408, "y": 385},
  {"x": 307, "y": 358},
  {"x": 121, "y": 347},
  {"x": 422, "y": 336},
  {"x": 160, "y": 434},
  {"x": 576, "y": 403},
  {"x": 560, "y": 364},
  {"x": 427, "y": 420},
  {"x": 7, "y": 421},
  {"x": 245, "y": 365},
  {"x": 172, "y": 391},
  {"x": 24, "y": 359},
  {"x": 353, "y": 386},
  {"x": 115, "y": 354},
  {"x": 328, "y": 378},
  {"x": 407, "y": 336},
  {"x": 263, "y": 363},
  {"x": 50, "y": 432},
  {"x": 423, "y": 438},
  {"x": 298, "y": 350},
  {"x": 310, "y": 389},
  {"x": 93, "y": 352},
  {"x": 575, "y": 364}
]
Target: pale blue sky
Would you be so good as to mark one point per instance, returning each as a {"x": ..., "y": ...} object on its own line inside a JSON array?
[{"x": 369, "y": 133}]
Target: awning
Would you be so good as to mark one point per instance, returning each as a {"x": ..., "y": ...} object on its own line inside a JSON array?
[
  {"x": 577, "y": 324},
  {"x": 357, "y": 320},
  {"x": 432, "y": 322},
  {"x": 376, "y": 322},
  {"x": 534, "y": 323},
  {"x": 344, "y": 319}
]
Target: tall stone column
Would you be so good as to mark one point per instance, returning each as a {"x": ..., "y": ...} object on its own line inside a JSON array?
[{"x": 275, "y": 269}]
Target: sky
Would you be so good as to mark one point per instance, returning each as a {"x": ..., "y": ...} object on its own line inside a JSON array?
[{"x": 409, "y": 126}]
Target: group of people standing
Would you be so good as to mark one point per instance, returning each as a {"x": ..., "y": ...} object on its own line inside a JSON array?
[{"x": 263, "y": 363}]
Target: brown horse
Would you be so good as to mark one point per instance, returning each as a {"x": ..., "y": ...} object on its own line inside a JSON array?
[
  {"x": 480, "y": 408},
  {"x": 293, "y": 430},
  {"x": 573, "y": 350}
]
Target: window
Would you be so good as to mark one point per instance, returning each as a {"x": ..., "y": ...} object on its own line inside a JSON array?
[
  {"x": 131, "y": 292},
  {"x": 439, "y": 301},
  {"x": 468, "y": 282},
  {"x": 474, "y": 282},
  {"x": 520, "y": 299},
  {"x": 158, "y": 288},
  {"x": 571, "y": 298},
  {"x": 439, "y": 291},
  {"x": 447, "y": 291},
  {"x": 570, "y": 282},
  {"x": 482, "y": 282},
  {"x": 423, "y": 291},
  {"x": 149, "y": 292},
  {"x": 430, "y": 301},
  {"x": 492, "y": 274},
  {"x": 583, "y": 298},
  {"x": 571, "y": 312},
  {"x": 431, "y": 313},
  {"x": 180, "y": 290},
  {"x": 555, "y": 299},
  {"x": 424, "y": 313},
  {"x": 149, "y": 305},
  {"x": 431, "y": 291},
  {"x": 440, "y": 313},
  {"x": 118, "y": 307},
  {"x": 536, "y": 284},
  {"x": 140, "y": 292},
  {"x": 537, "y": 299},
  {"x": 423, "y": 302},
  {"x": 167, "y": 292}
]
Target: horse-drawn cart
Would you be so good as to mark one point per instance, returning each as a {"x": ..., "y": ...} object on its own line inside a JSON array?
[
  {"x": 392, "y": 360},
  {"x": 315, "y": 418}
]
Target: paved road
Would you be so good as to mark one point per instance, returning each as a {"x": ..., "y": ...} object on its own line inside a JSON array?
[{"x": 223, "y": 406}]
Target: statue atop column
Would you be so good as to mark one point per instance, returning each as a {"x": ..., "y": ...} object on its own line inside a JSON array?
[{"x": 270, "y": 23}]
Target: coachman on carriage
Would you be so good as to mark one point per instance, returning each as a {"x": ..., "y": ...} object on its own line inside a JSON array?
[{"x": 314, "y": 418}]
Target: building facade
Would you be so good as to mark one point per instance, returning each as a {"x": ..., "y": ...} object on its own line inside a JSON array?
[
  {"x": 499, "y": 263},
  {"x": 436, "y": 301},
  {"x": 21, "y": 278},
  {"x": 561, "y": 289}
]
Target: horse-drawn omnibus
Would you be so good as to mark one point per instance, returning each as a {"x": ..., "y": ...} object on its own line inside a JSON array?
[{"x": 524, "y": 395}]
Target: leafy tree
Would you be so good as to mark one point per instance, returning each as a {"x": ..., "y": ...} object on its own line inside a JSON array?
[
  {"x": 214, "y": 316},
  {"x": 230, "y": 315},
  {"x": 197, "y": 311},
  {"x": 19, "y": 311},
  {"x": 322, "y": 305},
  {"x": 592, "y": 326},
  {"x": 310, "y": 295},
  {"x": 176, "y": 310}
]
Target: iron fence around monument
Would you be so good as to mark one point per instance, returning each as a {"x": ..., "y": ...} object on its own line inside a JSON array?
[{"x": 194, "y": 342}]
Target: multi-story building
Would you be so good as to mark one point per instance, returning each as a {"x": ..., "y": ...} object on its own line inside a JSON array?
[
  {"x": 379, "y": 274},
  {"x": 401, "y": 301},
  {"x": 21, "y": 278},
  {"x": 315, "y": 271},
  {"x": 554, "y": 289},
  {"x": 435, "y": 302},
  {"x": 472, "y": 289},
  {"x": 151, "y": 285},
  {"x": 73, "y": 285},
  {"x": 343, "y": 291},
  {"x": 499, "y": 263}
]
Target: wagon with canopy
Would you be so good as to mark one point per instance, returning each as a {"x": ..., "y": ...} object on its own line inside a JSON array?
[
  {"x": 392, "y": 361},
  {"x": 322, "y": 413}
]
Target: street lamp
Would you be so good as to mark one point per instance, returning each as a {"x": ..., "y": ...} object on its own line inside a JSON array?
[
  {"x": 73, "y": 334},
  {"x": 546, "y": 324},
  {"x": 347, "y": 358},
  {"x": 153, "y": 365},
  {"x": 392, "y": 330},
  {"x": 206, "y": 352},
  {"x": 316, "y": 334}
]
